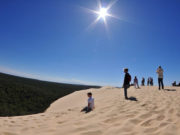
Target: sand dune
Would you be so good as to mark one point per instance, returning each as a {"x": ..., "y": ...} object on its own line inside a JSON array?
[{"x": 154, "y": 113}]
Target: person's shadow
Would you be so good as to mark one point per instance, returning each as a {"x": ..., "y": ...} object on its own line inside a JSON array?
[
  {"x": 132, "y": 99},
  {"x": 170, "y": 89}
]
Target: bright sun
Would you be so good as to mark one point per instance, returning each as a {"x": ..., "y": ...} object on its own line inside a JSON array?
[{"x": 102, "y": 13}]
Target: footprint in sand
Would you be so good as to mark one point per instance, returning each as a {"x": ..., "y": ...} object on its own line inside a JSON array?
[
  {"x": 127, "y": 129},
  {"x": 12, "y": 121},
  {"x": 147, "y": 115},
  {"x": 25, "y": 129},
  {"x": 160, "y": 117},
  {"x": 135, "y": 121},
  {"x": 171, "y": 111},
  {"x": 111, "y": 120},
  {"x": 130, "y": 116},
  {"x": 143, "y": 105},
  {"x": 178, "y": 114},
  {"x": 57, "y": 116},
  {"x": 70, "y": 110},
  {"x": 170, "y": 120},
  {"x": 60, "y": 122},
  {"x": 147, "y": 123},
  {"x": 163, "y": 124}
]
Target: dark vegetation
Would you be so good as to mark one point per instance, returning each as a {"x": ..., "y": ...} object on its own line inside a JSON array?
[{"x": 23, "y": 96}]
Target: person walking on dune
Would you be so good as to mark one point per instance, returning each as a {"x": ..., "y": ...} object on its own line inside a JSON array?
[
  {"x": 136, "y": 85},
  {"x": 143, "y": 81},
  {"x": 148, "y": 82},
  {"x": 126, "y": 84},
  {"x": 160, "y": 77}
]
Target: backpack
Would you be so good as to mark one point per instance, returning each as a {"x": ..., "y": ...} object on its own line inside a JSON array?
[{"x": 129, "y": 77}]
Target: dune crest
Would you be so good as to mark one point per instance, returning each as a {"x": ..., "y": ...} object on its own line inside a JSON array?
[{"x": 153, "y": 113}]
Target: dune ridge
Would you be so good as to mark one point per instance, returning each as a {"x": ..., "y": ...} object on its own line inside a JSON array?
[{"x": 154, "y": 113}]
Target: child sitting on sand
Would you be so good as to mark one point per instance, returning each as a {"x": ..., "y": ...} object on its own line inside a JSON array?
[{"x": 90, "y": 106}]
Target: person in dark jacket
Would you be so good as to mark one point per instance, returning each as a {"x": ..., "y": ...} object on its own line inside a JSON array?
[
  {"x": 143, "y": 81},
  {"x": 126, "y": 85}
]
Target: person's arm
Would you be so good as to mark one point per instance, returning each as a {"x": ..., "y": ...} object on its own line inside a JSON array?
[
  {"x": 157, "y": 71},
  {"x": 93, "y": 104},
  {"x": 125, "y": 78},
  {"x": 89, "y": 103},
  {"x": 124, "y": 82}
]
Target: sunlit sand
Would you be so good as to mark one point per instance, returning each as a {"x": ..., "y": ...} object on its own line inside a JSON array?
[{"x": 154, "y": 113}]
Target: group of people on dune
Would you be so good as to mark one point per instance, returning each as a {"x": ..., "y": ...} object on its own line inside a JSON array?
[
  {"x": 149, "y": 82},
  {"x": 126, "y": 85},
  {"x": 174, "y": 84},
  {"x": 127, "y": 80}
]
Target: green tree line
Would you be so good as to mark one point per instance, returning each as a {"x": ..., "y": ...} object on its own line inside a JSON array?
[{"x": 23, "y": 96}]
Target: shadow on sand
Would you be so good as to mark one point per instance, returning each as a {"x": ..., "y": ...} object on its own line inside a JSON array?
[
  {"x": 170, "y": 89},
  {"x": 132, "y": 99}
]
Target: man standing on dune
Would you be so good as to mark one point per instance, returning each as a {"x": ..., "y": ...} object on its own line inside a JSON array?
[
  {"x": 127, "y": 80},
  {"x": 160, "y": 77}
]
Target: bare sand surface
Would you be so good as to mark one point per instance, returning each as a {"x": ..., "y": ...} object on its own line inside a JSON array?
[{"x": 154, "y": 113}]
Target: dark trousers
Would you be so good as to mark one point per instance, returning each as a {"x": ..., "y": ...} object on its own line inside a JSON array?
[
  {"x": 86, "y": 109},
  {"x": 160, "y": 82},
  {"x": 125, "y": 91}
]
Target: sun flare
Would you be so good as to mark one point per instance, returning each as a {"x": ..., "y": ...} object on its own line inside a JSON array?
[{"x": 103, "y": 13}]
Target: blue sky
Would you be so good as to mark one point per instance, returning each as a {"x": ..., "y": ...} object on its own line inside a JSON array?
[{"x": 51, "y": 40}]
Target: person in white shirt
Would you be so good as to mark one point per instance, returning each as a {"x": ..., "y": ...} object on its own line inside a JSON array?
[
  {"x": 160, "y": 77},
  {"x": 90, "y": 105},
  {"x": 136, "y": 85}
]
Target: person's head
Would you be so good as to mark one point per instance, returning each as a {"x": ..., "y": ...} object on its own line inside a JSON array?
[
  {"x": 89, "y": 94},
  {"x": 159, "y": 66},
  {"x": 135, "y": 77},
  {"x": 125, "y": 70}
]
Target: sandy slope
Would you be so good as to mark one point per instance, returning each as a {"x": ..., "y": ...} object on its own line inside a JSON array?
[{"x": 155, "y": 113}]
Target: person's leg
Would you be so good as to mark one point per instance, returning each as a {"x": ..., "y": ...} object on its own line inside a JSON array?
[
  {"x": 134, "y": 85},
  {"x": 162, "y": 83},
  {"x": 88, "y": 110},
  {"x": 159, "y": 81},
  {"x": 125, "y": 92},
  {"x": 84, "y": 109},
  {"x": 137, "y": 85}
]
